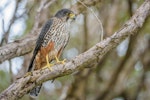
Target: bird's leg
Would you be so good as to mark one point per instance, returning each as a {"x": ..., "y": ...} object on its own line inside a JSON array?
[
  {"x": 48, "y": 65},
  {"x": 58, "y": 61}
]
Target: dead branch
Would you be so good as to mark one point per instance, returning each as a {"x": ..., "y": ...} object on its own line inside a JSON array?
[{"x": 90, "y": 57}]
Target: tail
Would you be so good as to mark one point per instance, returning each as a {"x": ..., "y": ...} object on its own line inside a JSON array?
[{"x": 35, "y": 91}]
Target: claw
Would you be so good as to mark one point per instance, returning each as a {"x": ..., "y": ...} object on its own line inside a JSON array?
[
  {"x": 58, "y": 61},
  {"x": 48, "y": 66}
]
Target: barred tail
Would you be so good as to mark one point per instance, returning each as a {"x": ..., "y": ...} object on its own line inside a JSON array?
[{"x": 35, "y": 91}]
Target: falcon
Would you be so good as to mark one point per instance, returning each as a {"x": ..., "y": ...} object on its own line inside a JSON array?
[{"x": 51, "y": 42}]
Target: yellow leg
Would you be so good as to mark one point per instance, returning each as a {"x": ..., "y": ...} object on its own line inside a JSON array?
[
  {"x": 58, "y": 61},
  {"x": 48, "y": 65}
]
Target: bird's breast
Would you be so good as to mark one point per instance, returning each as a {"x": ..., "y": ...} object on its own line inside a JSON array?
[{"x": 58, "y": 33}]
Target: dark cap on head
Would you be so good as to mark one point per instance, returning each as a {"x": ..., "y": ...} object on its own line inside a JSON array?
[{"x": 65, "y": 12}]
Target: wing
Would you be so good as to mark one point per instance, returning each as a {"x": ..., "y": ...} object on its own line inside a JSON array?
[{"x": 39, "y": 41}]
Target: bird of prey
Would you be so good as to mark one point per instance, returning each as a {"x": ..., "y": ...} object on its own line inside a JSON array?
[{"x": 51, "y": 42}]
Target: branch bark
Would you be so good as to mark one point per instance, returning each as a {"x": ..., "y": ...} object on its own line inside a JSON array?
[
  {"x": 88, "y": 58},
  {"x": 17, "y": 48}
]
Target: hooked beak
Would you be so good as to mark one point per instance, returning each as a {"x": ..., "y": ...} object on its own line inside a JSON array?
[{"x": 72, "y": 16}]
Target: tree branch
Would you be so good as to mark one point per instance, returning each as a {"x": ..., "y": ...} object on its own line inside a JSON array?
[
  {"x": 88, "y": 58},
  {"x": 17, "y": 48}
]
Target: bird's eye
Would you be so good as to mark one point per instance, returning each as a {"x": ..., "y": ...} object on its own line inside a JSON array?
[{"x": 67, "y": 14}]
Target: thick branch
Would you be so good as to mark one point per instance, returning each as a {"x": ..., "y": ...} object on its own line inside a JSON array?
[
  {"x": 93, "y": 55},
  {"x": 17, "y": 48},
  {"x": 26, "y": 45}
]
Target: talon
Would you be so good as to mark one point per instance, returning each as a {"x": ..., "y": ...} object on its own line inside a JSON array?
[
  {"x": 48, "y": 66},
  {"x": 63, "y": 62},
  {"x": 58, "y": 61}
]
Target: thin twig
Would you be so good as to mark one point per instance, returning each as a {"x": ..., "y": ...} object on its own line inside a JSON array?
[
  {"x": 98, "y": 19},
  {"x": 49, "y": 3}
]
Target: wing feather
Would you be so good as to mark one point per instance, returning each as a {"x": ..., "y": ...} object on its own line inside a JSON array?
[{"x": 39, "y": 41}]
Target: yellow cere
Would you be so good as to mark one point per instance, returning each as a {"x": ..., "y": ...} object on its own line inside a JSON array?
[{"x": 71, "y": 15}]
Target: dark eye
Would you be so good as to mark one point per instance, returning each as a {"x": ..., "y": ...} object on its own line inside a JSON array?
[{"x": 67, "y": 14}]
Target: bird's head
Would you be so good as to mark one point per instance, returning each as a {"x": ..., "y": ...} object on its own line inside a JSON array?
[{"x": 65, "y": 14}]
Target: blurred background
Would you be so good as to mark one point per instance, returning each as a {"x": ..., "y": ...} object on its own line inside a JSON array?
[{"x": 122, "y": 74}]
